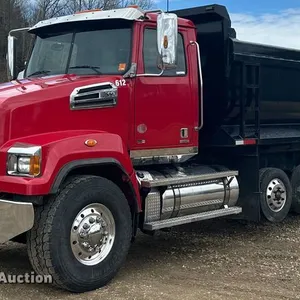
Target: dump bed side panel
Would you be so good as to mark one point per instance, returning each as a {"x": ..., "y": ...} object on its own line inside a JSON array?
[{"x": 243, "y": 81}]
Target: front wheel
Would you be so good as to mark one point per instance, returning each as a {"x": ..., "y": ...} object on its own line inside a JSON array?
[
  {"x": 276, "y": 194},
  {"x": 82, "y": 237}
]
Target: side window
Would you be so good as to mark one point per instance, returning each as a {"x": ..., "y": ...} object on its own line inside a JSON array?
[{"x": 151, "y": 55}]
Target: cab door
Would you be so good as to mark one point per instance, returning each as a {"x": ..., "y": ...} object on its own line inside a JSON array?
[{"x": 166, "y": 112}]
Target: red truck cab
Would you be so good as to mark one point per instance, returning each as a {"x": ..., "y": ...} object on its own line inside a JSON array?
[{"x": 96, "y": 100}]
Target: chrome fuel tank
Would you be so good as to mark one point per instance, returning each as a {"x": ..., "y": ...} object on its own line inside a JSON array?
[{"x": 175, "y": 200}]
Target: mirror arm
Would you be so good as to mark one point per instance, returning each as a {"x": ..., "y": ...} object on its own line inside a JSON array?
[
  {"x": 18, "y": 30},
  {"x": 153, "y": 11},
  {"x": 150, "y": 75},
  {"x": 133, "y": 70}
]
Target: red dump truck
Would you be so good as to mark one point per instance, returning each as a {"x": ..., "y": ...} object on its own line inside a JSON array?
[{"x": 127, "y": 120}]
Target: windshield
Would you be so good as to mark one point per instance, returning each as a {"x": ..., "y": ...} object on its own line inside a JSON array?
[{"x": 88, "y": 52}]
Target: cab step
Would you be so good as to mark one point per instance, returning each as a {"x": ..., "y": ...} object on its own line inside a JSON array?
[{"x": 192, "y": 218}]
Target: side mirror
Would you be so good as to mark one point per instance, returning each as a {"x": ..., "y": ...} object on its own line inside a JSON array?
[
  {"x": 167, "y": 39},
  {"x": 11, "y": 57}
]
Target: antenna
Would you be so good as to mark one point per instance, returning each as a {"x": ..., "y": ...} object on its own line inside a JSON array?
[{"x": 168, "y": 5}]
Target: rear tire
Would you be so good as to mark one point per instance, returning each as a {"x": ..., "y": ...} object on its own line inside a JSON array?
[
  {"x": 82, "y": 236},
  {"x": 295, "y": 181},
  {"x": 276, "y": 194}
]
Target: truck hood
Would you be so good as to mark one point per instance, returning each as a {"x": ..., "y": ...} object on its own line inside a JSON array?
[
  {"x": 42, "y": 105},
  {"x": 17, "y": 87}
]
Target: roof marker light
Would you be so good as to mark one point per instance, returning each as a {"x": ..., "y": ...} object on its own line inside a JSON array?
[{"x": 88, "y": 11}]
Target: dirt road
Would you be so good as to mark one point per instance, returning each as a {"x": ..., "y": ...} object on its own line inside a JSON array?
[{"x": 212, "y": 260}]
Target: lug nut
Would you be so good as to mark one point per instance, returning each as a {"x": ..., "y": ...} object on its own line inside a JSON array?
[
  {"x": 82, "y": 234},
  {"x": 86, "y": 226},
  {"x": 91, "y": 220},
  {"x": 98, "y": 219}
]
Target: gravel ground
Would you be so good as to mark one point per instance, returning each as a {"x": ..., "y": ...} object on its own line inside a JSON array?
[{"x": 217, "y": 259}]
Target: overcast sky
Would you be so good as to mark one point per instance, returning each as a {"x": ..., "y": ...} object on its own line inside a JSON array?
[{"x": 274, "y": 22}]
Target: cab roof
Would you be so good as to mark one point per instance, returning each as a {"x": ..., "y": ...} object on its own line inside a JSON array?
[{"x": 130, "y": 14}]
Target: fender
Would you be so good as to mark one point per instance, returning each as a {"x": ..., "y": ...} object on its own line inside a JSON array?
[
  {"x": 97, "y": 162},
  {"x": 62, "y": 152},
  {"x": 67, "y": 168}
]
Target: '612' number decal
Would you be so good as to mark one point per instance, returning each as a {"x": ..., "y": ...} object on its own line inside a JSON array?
[{"x": 121, "y": 82}]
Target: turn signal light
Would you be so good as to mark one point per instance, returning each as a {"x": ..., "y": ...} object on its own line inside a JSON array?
[
  {"x": 133, "y": 6},
  {"x": 90, "y": 143},
  {"x": 35, "y": 165},
  {"x": 166, "y": 42}
]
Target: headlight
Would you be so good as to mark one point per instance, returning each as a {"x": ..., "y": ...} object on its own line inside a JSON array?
[
  {"x": 24, "y": 160},
  {"x": 24, "y": 165}
]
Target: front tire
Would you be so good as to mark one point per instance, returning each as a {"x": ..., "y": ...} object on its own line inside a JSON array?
[
  {"x": 276, "y": 194},
  {"x": 81, "y": 237}
]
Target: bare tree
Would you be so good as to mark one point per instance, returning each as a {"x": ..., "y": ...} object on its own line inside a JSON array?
[
  {"x": 144, "y": 4},
  {"x": 78, "y": 5},
  {"x": 24, "y": 13},
  {"x": 45, "y": 9},
  {"x": 12, "y": 15}
]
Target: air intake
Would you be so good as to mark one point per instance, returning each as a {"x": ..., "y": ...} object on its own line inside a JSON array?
[{"x": 98, "y": 95}]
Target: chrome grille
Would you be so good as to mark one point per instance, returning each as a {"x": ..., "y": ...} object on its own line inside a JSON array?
[{"x": 94, "y": 96}]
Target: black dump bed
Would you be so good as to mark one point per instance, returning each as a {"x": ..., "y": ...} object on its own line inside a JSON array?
[{"x": 245, "y": 84}]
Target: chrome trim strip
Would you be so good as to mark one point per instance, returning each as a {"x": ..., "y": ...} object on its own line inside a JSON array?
[
  {"x": 163, "y": 152},
  {"x": 15, "y": 218},
  {"x": 162, "y": 156},
  {"x": 24, "y": 149}
]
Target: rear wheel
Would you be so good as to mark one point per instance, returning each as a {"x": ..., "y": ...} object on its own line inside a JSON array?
[
  {"x": 295, "y": 181},
  {"x": 82, "y": 237},
  {"x": 276, "y": 194}
]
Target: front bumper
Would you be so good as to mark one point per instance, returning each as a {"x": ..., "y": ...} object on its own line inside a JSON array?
[{"x": 15, "y": 218}]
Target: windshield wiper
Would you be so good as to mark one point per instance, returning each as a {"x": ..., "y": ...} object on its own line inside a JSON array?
[
  {"x": 94, "y": 68},
  {"x": 44, "y": 72}
]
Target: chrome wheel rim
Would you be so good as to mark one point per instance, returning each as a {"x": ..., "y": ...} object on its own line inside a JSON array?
[
  {"x": 276, "y": 195},
  {"x": 92, "y": 234}
]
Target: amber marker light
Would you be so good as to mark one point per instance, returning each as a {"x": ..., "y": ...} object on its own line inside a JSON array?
[
  {"x": 35, "y": 165},
  {"x": 90, "y": 143},
  {"x": 88, "y": 11},
  {"x": 166, "y": 42}
]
